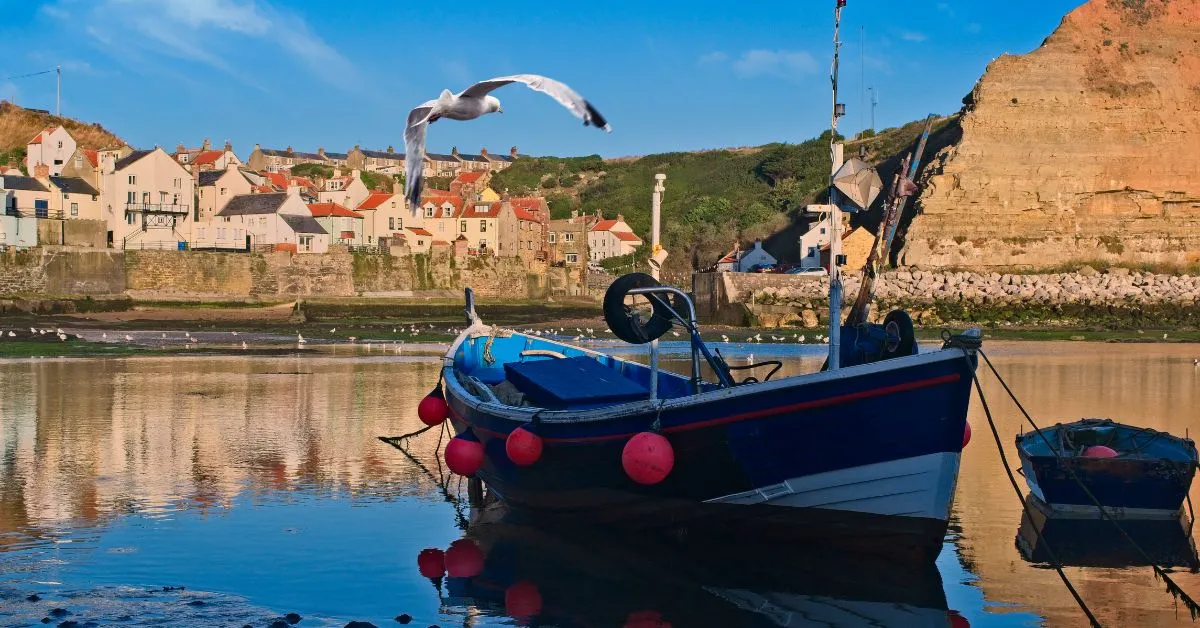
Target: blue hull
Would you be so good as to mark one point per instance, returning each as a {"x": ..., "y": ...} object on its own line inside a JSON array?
[{"x": 834, "y": 457}]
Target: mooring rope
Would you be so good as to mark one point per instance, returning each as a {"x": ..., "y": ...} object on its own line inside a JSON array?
[
  {"x": 1172, "y": 588},
  {"x": 401, "y": 443},
  {"x": 1054, "y": 562}
]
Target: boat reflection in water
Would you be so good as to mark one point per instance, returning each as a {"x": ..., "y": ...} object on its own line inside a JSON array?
[
  {"x": 589, "y": 577},
  {"x": 1096, "y": 542}
]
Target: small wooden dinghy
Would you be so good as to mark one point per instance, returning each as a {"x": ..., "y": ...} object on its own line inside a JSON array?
[{"x": 1134, "y": 472}]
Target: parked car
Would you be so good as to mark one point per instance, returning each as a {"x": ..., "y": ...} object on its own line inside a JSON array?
[
  {"x": 816, "y": 272},
  {"x": 762, "y": 268}
]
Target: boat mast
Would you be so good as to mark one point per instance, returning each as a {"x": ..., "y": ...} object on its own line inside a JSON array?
[
  {"x": 657, "y": 255},
  {"x": 835, "y": 214}
]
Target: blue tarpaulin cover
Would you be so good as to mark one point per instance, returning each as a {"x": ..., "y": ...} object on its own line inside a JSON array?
[{"x": 572, "y": 382}]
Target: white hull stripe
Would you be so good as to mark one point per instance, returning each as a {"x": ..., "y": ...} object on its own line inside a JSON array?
[{"x": 922, "y": 486}]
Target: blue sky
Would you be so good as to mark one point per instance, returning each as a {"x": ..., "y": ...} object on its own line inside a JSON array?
[{"x": 668, "y": 75}]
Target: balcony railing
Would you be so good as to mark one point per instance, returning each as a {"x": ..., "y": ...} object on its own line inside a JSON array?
[
  {"x": 33, "y": 212},
  {"x": 157, "y": 208}
]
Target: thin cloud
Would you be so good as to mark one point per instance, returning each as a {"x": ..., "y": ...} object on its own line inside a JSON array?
[
  {"x": 202, "y": 31},
  {"x": 913, "y": 36},
  {"x": 712, "y": 58},
  {"x": 779, "y": 63},
  {"x": 945, "y": 7}
]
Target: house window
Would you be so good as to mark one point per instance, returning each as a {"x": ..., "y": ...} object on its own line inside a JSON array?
[
  {"x": 553, "y": 237},
  {"x": 60, "y": 144},
  {"x": 462, "y": 226},
  {"x": 399, "y": 223},
  {"x": 446, "y": 212},
  {"x": 65, "y": 196},
  {"x": 441, "y": 227},
  {"x": 482, "y": 243},
  {"x": 131, "y": 197},
  {"x": 429, "y": 212},
  {"x": 78, "y": 162},
  {"x": 201, "y": 232},
  {"x": 133, "y": 179},
  {"x": 482, "y": 226},
  {"x": 306, "y": 242},
  {"x": 221, "y": 233},
  {"x": 74, "y": 209},
  {"x": 568, "y": 237},
  {"x": 822, "y": 230},
  {"x": 391, "y": 223},
  {"x": 129, "y": 218},
  {"x": 572, "y": 258},
  {"x": 420, "y": 243},
  {"x": 145, "y": 198},
  {"x": 222, "y": 191}
]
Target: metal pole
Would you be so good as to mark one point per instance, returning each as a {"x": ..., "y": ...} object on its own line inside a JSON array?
[
  {"x": 862, "y": 76},
  {"x": 835, "y": 214},
  {"x": 655, "y": 217},
  {"x": 58, "y": 95}
]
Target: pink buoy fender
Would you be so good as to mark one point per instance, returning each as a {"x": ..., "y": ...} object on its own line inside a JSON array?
[
  {"x": 523, "y": 446},
  {"x": 464, "y": 454},
  {"x": 648, "y": 458},
  {"x": 433, "y": 409},
  {"x": 1100, "y": 451}
]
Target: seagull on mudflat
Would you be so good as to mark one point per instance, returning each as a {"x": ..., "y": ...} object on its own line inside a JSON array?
[{"x": 474, "y": 102}]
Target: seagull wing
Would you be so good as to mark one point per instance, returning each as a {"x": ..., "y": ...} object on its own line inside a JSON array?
[
  {"x": 565, "y": 96},
  {"x": 414, "y": 150}
]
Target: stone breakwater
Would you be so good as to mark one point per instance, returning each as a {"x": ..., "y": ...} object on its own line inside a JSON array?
[{"x": 1118, "y": 297}]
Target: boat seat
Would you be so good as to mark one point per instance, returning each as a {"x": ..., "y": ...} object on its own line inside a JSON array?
[{"x": 575, "y": 382}]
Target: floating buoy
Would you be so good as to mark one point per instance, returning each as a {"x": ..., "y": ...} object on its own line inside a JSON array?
[
  {"x": 958, "y": 621},
  {"x": 966, "y": 435},
  {"x": 433, "y": 408},
  {"x": 648, "y": 458},
  {"x": 523, "y": 447},
  {"x": 431, "y": 562},
  {"x": 464, "y": 454},
  {"x": 522, "y": 600},
  {"x": 464, "y": 559},
  {"x": 1100, "y": 451}
]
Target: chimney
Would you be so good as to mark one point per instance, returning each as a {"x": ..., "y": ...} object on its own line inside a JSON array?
[
  {"x": 257, "y": 147},
  {"x": 397, "y": 188},
  {"x": 512, "y": 152},
  {"x": 454, "y": 151},
  {"x": 354, "y": 174},
  {"x": 288, "y": 150},
  {"x": 390, "y": 150},
  {"x": 179, "y": 148},
  {"x": 321, "y": 151},
  {"x": 206, "y": 145},
  {"x": 293, "y": 190},
  {"x": 41, "y": 172},
  {"x": 574, "y": 214},
  {"x": 620, "y": 218},
  {"x": 483, "y": 151},
  {"x": 228, "y": 146}
]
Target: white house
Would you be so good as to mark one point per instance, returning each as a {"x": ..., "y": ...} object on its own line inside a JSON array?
[
  {"x": 345, "y": 226},
  {"x": 347, "y": 191},
  {"x": 52, "y": 146},
  {"x": 612, "y": 238},
  {"x": 755, "y": 257},
  {"x": 278, "y": 218},
  {"x": 147, "y": 199},
  {"x": 215, "y": 188},
  {"x": 816, "y": 238},
  {"x": 383, "y": 215}
]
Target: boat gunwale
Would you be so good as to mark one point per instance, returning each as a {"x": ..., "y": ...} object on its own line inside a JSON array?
[{"x": 525, "y": 414}]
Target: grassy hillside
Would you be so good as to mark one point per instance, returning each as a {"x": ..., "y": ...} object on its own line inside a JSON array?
[
  {"x": 18, "y": 125},
  {"x": 713, "y": 198}
]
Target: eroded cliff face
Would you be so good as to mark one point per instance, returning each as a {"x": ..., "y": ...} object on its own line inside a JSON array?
[{"x": 1087, "y": 148}]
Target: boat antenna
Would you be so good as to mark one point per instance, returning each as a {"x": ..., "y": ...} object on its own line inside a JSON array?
[{"x": 835, "y": 213}]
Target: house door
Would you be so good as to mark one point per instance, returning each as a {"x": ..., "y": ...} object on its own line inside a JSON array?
[
  {"x": 248, "y": 236},
  {"x": 41, "y": 208}
]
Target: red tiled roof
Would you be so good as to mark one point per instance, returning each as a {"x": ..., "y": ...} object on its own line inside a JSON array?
[
  {"x": 626, "y": 236},
  {"x": 524, "y": 215},
  {"x": 440, "y": 243},
  {"x": 277, "y": 179},
  {"x": 264, "y": 189},
  {"x": 374, "y": 200},
  {"x": 208, "y": 157},
  {"x": 303, "y": 182},
  {"x": 475, "y": 211},
  {"x": 604, "y": 225},
  {"x": 92, "y": 155},
  {"x": 322, "y": 210},
  {"x": 469, "y": 177},
  {"x": 439, "y": 198},
  {"x": 420, "y": 231}
]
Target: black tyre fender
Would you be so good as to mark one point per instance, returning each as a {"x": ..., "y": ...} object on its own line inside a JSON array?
[
  {"x": 898, "y": 324},
  {"x": 622, "y": 320}
]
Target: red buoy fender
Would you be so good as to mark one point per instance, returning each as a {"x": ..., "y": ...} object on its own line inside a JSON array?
[
  {"x": 1100, "y": 451},
  {"x": 464, "y": 559},
  {"x": 523, "y": 447},
  {"x": 966, "y": 435},
  {"x": 431, "y": 562},
  {"x": 464, "y": 454},
  {"x": 648, "y": 458},
  {"x": 433, "y": 409}
]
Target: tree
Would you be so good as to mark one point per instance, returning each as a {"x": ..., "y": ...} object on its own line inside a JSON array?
[
  {"x": 315, "y": 171},
  {"x": 755, "y": 214},
  {"x": 560, "y": 206}
]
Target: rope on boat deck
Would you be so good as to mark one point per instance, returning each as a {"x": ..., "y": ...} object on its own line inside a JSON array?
[
  {"x": 1054, "y": 562},
  {"x": 1172, "y": 588}
]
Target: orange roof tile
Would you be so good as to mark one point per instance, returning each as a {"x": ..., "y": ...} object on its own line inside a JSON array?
[
  {"x": 92, "y": 155},
  {"x": 481, "y": 211},
  {"x": 208, "y": 157},
  {"x": 626, "y": 236},
  {"x": 322, "y": 210},
  {"x": 277, "y": 179},
  {"x": 374, "y": 200},
  {"x": 604, "y": 225},
  {"x": 469, "y": 177},
  {"x": 441, "y": 243},
  {"x": 420, "y": 231},
  {"x": 438, "y": 197}
]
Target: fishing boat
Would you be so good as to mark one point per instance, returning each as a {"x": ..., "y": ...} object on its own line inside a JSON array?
[
  {"x": 862, "y": 455},
  {"x": 1133, "y": 472}
]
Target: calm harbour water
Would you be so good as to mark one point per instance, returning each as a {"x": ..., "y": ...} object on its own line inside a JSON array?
[{"x": 232, "y": 490}]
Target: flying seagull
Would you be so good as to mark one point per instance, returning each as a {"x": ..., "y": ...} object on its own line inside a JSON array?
[{"x": 474, "y": 102}]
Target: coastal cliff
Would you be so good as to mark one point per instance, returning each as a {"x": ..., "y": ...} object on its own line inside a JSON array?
[{"x": 1086, "y": 149}]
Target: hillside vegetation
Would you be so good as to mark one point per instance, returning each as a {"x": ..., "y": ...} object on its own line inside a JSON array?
[
  {"x": 18, "y": 125},
  {"x": 713, "y": 198}
]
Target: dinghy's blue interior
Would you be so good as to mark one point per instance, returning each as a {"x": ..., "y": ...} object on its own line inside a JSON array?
[
  {"x": 1128, "y": 441},
  {"x": 562, "y": 377}
]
